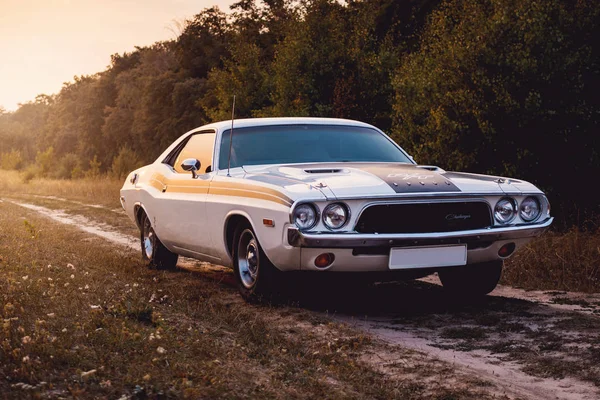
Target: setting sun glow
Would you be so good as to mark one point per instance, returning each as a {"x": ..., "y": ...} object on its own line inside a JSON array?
[{"x": 44, "y": 43}]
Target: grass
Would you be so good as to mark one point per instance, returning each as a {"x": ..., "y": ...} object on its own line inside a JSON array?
[
  {"x": 102, "y": 190},
  {"x": 557, "y": 261},
  {"x": 216, "y": 345},
  {"x": 82, "y": 318}
]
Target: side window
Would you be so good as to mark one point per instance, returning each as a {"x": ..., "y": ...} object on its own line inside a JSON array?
[{"x": 199, "y": 146}]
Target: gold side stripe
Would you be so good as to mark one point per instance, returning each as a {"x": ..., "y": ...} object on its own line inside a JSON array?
[
  {"x": 158, "y": 185},
  {"x": 283, "y": 200},
  {"x": 254, "y": 188},
  {"x": 187, "y": 189},
  {"x": 237, "y": 189}
]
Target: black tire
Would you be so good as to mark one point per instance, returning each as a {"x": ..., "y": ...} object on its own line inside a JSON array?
[
  {"x": 257, "y": 278},
  {"x": 154, "y": 253},
  {"x": 474, "y": 280}
]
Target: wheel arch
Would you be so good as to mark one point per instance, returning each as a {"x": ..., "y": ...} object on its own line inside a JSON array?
[
  {"x": 232, "y": 220},
  {"x": 138, "y": 211}
]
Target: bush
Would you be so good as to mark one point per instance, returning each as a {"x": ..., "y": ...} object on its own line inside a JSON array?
[
  {"x": 125, "y": 162},
  {"x": 11, "y": 160},
  {"x": 29, "y": 173},
  {"x": 94, "y": 170},
  {"x": 45, "y": 162},
  {"x": 77, "y": 173},
  {"x": 67, "y": 164}
]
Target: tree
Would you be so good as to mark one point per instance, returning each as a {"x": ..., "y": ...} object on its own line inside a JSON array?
[{"x": 507, "y": 87}]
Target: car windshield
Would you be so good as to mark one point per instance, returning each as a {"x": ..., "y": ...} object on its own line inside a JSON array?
[{"x": 292, "y": 144}]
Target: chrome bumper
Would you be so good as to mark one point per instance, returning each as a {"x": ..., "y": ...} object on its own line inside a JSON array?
[{"x": 297, "y": 238}]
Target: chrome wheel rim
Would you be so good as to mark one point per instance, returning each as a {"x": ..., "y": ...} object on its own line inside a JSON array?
[
  {"x": 148, "y": 240},
  {"x": 248, "y": 259}
]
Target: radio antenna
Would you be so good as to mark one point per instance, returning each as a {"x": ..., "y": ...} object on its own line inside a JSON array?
[{"x": 231, "y": 136}]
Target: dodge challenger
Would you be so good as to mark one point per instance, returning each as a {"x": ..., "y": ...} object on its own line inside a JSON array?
[{"x": 270, "y": 195}]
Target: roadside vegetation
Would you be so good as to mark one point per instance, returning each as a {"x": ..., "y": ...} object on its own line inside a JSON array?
[
  {"x": 102, "y": 190},
  {"x": 557, "y": 261}
]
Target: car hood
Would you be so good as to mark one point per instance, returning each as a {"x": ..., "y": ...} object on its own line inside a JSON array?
[{"x": 381, "y": 179}]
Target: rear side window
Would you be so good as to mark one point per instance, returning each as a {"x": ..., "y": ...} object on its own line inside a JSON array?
[{"x": 199, "y": 146}]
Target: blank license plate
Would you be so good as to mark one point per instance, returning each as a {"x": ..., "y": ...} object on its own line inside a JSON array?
[{"x": 424, "y": 257}]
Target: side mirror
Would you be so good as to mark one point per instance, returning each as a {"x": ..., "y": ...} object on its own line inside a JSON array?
[{"x": 191, "y": 164}]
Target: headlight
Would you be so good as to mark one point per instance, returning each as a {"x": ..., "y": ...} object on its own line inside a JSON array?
[
  {"x": 505, "y": 210},
  {"x": 305, "y": 216},
  {"x": 335, "y": 216},
  {"x": 530, "y": 209}
]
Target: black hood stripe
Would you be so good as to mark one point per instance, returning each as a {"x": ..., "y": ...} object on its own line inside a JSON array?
[{"x": 410, "y": 179}]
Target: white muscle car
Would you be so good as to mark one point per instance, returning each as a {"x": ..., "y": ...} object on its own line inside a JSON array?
[{"x": 333, "y": 195}]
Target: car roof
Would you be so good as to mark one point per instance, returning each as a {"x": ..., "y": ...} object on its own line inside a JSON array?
[{"x": 250, "y": 122}]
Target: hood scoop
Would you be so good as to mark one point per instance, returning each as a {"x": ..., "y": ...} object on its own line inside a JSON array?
[
  {"x": 431, "y": 168},
  {"x": 324, "y": 171}
]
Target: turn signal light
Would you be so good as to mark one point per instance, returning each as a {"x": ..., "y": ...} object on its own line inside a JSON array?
[
  {"x": 324, "y": 260},
  {"x": 506, "y": 250}
]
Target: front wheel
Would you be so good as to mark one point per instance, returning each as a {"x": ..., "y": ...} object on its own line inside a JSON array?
[
  {"x": 256, "y": 276},
  {"x": 154, "y": 253},
  {"x": 472, "y": 280}
]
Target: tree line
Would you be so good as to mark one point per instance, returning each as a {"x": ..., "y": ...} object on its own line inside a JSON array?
[{"x": 503, "y": 87}]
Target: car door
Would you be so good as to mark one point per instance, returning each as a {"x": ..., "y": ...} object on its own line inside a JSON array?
[{"x": 181, "y": 214}]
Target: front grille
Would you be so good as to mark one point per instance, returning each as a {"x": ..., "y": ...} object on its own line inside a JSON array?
[{"x": 424, "y": 217}]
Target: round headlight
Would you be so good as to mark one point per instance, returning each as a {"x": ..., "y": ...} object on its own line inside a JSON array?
[
  {"x": 335, "y": 216},
  {"x": 530, "y": 209},
  {"x": 305, "y": 216},
  {"x": 505, "y": 210}
]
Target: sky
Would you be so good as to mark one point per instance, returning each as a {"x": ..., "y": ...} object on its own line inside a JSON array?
[{"x": 44, "y": 43}]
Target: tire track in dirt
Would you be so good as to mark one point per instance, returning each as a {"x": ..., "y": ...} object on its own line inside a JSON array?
[{"x": 521, "y": 341}]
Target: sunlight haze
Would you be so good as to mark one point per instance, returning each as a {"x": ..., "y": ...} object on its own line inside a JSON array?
[{"x": 44, "y": 43}]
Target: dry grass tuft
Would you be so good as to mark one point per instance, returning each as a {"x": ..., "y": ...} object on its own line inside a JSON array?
[{"x": 557, "y": 261}]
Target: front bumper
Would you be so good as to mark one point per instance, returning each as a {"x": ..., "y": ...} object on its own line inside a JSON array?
[{"x": 473, "y": 238}]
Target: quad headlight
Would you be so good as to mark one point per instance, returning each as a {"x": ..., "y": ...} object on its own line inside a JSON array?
[
  {"x": 335, "y": 216},
  {"x": 305, "y": 216},
  {"x": 530, "y": 209},
  {"x": 505, "y": 210}
]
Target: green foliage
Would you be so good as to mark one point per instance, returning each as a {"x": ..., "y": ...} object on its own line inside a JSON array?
[
  {"x": 31, "y": 229},
  {"x": 45, "y": 162},
  {"x": 11, "y": 160},
  {"x": 510, "y": 88},
  {"x": 125, "y": 162},
  {"x": 492, "y": 86},
  {"x": 94, "y": 170},
  {"x": 67, "y": 167}
]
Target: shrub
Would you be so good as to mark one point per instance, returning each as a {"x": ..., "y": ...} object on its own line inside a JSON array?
[
  {"x": 11, "y": 160},
  {"x": 44, "y": 161},
  {"x": 77, "y": 173},
  {"x": 66, "y": 165},
  {"x": 29, "y": 173},
  {"x": 94, "y": 170},
  {"x": 125, "y": 162}
]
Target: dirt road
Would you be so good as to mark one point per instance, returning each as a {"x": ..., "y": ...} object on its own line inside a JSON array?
[{"x": 534, "y": 345}]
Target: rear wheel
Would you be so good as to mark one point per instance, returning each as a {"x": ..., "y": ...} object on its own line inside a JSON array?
[
  {"x": 472, "y": 280},
  {"x": 256, "y": 276},
  {"x": 156, "y": 255}
]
